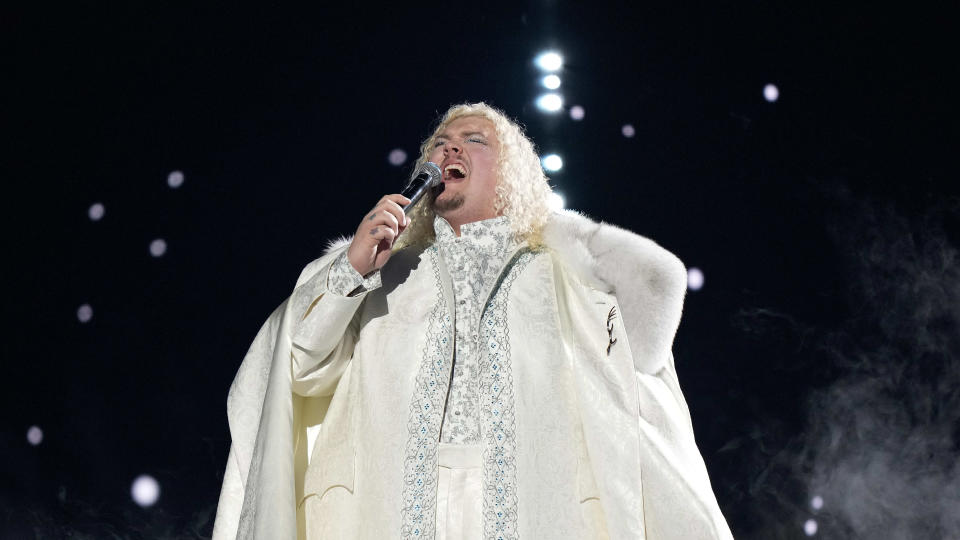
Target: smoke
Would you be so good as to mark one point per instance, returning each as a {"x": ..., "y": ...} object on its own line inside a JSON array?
[
  {"x": 881, "y": 441},
  {"x": 883, "y": 446}
]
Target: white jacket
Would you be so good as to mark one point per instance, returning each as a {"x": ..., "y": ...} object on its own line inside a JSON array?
[{"x": 597, "y": 439}]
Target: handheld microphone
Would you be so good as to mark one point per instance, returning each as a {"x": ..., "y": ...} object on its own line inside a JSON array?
[{"x": 425, "y": 177}]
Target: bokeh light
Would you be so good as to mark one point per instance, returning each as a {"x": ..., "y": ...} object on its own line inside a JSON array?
[
  {"x": 549, "y": 61},
  {"x": 577, "y": 112},
  {"x": 145, "y": 490},
  {"x": 550, "y": 102},
  {"x": 158, "y": 247},
  {"x": 397, "y": 157},
  {"x": 84, "y": 313},
  {"x": 551, "y": 82},
  {"x": 816, "y": 502},
  {"x": 771, "y": 93},
  {"x": 34, "y": 435},
  {"x": 552, "y": 162},
  {"x": 628, "y": 130},
  {"x": 175, "y": 179},
  {"x": 96, "y": 211},
  {"x": 810, "y": 527},
  {"x": 694, "y": 279}
]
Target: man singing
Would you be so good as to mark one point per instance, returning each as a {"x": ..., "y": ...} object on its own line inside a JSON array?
[{"x": 479, "y": 368}]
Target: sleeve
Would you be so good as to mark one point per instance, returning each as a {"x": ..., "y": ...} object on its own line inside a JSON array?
[
  {"x": 676, "y": 484},
  {"x": 325, "y": 325}
]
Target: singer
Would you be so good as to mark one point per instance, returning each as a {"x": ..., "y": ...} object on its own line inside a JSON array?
[{"x": 478, "y": 367}]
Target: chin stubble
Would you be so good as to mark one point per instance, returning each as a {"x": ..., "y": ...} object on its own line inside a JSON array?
[{"x": 448, "y": 205}]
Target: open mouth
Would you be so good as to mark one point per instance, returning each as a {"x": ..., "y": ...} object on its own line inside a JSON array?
[{"x": 454, "y": 171}]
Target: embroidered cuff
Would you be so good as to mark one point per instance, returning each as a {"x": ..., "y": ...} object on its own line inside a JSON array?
[{"x": 343, "y": 279}]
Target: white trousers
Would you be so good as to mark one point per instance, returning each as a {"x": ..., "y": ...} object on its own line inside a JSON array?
[{"x": 459, "y": 492}]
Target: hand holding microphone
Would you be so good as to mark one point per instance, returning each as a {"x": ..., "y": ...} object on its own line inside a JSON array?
[{"x": 381, "y": 226}]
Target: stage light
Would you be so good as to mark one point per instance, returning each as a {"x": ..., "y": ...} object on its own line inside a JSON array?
[
  {"x": 771, "y": 93},
  {"x": 628, "y": 130},
  {"x": 694, "y": 279},
  {"x": 549, "y": 61},
  {"x": 555, "y": 202},
  {"x": 84, "y": 313},
  {"x": 175, "y": 179},
  {"x": 577, "y": 112},
  {"x": 810, "y": 527},
  {"x": 551, "y": 82},
  {"x": 96, "y": 212},
  {"x": 34, "y": 435},
  {"x": 550, "y": 102},
  {"x": 145, "y": 490},
  {"x": 552, "y": 162},
  {"x": 158, "y": 247},
  {"x": 397, "y": 157},
  {"x": 816, "y": 502}
]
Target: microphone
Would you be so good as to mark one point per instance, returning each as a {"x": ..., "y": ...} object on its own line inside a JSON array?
[{"x": 425, "y": 177}]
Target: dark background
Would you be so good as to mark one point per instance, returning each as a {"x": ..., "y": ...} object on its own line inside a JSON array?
[{"x": 820, "y": 357}]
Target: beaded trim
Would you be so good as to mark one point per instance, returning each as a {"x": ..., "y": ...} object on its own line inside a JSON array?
[
  {"x": 497, "y": 413},
  {"x": 418, "y": 516}
]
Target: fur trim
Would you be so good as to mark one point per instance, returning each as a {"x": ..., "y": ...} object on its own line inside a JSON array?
[
  {"x": 648, "y": 281},
  {"x": 337, "y": 243}
]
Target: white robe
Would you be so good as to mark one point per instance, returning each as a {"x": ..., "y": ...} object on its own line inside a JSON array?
[{"x": 599, "y": 439}]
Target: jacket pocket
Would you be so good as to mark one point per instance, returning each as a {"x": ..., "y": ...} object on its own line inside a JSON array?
[{"x": 330, "y": 469}]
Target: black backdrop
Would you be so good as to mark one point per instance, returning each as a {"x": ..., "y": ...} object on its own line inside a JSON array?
[{"x": 818, "y": 359}]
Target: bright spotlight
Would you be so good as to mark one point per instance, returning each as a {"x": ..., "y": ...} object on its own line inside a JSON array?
[
  {"x": 551, "y": 82},
  {"x": 96, "y": 211},
  {"x": 397, "y": 157},
  {"x": 816, "y": 502},
  {"x": 694, "y": 279},
  {"x": 810, "y": 527},
  {"x": 158, "y": 247},
  {"x": 555, "y": 202},
  {"x": 577, "y": 112},
  {"x": 84, "y": 313},
  {"x": 550, "y": 102},
  {"x": 549, "y": 61},
  {"x": 175, "y": 179},
  {"x": 145, "y": 490},
  {"x": 628, "y": 130},
  {"x": 552, "y": 162},
  {"x": 34, "y": 435},
  {"x": 771, "y": 93}
]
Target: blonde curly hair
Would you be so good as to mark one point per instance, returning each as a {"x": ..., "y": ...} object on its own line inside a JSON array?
[{"x": 522, "y": 188}]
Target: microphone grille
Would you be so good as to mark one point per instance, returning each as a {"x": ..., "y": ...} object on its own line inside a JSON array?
[{"x": 432, "y": 170}]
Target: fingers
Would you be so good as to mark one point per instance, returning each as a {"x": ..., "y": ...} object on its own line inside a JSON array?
[
  {"x": 394, "y": 204},
  {"x": 383, "y": 233},
  {"x": 377, "y": 231}
]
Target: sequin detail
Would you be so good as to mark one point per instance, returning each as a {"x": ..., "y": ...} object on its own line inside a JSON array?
[
  {"x": 497, "y": 409},
  {"x": 474, "y": 260},
  {"x": 418, "y": 515}
]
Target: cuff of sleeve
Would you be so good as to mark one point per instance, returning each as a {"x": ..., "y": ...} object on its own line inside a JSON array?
[{"x": 343, "y": 279}]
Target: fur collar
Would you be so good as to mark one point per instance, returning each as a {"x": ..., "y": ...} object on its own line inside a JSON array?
[{"x": 648, "y": 281}]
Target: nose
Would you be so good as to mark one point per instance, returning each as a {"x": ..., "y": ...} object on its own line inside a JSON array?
[{"x": 451, "y": 146}]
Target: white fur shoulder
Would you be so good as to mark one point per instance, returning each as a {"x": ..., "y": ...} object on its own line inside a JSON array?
[{"x": 648, "y": 281}]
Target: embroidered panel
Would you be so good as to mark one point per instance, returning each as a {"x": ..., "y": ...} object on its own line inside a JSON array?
[
  {"x": 497, "y": 409},
  {"x": 343, "y": 278},
  {"x": 418, "y": 515},
  {"x": 474, "y": 260}
]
